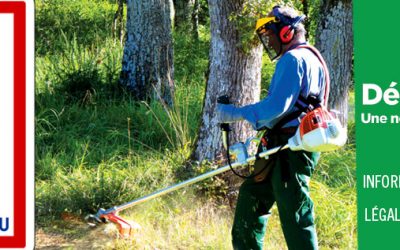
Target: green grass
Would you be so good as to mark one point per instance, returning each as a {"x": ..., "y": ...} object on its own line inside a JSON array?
[
  {"x": 97, "y": 147},
  {"x": 89, "y": 20},
  {"x": 204, "y": 225}
]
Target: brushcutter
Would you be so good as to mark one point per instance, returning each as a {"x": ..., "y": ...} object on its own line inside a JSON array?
[{"x": 318, "y": 132}]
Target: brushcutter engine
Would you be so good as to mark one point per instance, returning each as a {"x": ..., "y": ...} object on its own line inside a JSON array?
[{"x": 319, "y": 131}]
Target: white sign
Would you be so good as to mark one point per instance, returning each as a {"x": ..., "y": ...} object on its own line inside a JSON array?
[
  {"x": 7, "y": 125},
  {"x": 17, "y": 124}
]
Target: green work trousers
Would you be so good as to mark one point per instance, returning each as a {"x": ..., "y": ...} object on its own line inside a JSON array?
[{"x": 287, "y": 184}]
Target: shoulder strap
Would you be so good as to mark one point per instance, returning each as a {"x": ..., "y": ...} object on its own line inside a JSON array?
[
  {"x": 310, "y": 100},
  {"x": 324, "y": 66}
]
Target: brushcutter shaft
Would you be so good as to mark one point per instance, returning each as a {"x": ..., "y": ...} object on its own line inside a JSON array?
[
  {"x": 174, "y": 187},
  {"x": 270, "y": 152},
  {"x": 192, "y": 181}
]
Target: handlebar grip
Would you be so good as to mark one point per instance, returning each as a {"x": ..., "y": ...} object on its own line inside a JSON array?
[{"x": 224, "y": 99}]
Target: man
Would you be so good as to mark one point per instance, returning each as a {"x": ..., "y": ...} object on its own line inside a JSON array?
[{"x": 300, "y": 76}]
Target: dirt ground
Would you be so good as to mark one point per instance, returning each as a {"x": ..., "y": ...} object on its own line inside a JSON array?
[{"x": 74, "y": 233}]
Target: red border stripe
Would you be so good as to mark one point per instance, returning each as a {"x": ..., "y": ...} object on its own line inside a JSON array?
[{"x": 19, "y": 11}]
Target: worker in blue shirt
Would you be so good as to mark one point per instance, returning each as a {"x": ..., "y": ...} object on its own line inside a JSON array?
[{"x": 300, "y": 74}]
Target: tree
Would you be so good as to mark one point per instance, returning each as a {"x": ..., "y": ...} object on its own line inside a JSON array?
[
  {"x": 118, "y": 24},
  {"x": 147, "y": 64},
  {"x": 187, "y": 16},
  {"x": 334, "y": 38},
  {"x": 183, "y": 12},
  {"x": 232, "y": 71},
  {"x": 195, "y": 19}
]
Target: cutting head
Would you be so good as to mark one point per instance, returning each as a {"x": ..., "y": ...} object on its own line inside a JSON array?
[{"x": 125, "y": 228}]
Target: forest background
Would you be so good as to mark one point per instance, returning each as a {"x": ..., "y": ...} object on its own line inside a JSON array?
[{"x": 99, "y": 144}]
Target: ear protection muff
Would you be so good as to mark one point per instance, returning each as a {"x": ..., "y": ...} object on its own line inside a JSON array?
[
  {"x": 287, "y": 25},
  {"x": 286, "y": 34}
]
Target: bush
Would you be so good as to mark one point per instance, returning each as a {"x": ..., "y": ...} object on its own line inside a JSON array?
[{"x": 80, "y": 73}]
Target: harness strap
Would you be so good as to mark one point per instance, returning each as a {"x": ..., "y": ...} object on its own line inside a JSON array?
[
  {"x": 311, "y": 102},
  {"x": 325, "y": 68}
]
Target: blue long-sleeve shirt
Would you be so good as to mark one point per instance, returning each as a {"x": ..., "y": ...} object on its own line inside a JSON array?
[{"x": 298, "y": 72}]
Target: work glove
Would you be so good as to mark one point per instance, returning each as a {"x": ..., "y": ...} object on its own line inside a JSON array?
[{"x": 227, "y": 113}]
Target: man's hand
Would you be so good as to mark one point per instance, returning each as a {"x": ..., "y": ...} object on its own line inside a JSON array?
[{"x": 227, "y": 113}]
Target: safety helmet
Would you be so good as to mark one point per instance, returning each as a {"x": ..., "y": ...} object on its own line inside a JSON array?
[{"x": 281, "y": 26}]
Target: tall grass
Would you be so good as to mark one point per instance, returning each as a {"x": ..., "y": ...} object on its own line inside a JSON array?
[
  {"x": 90, "y": 20},
  {"x": 95, "y": 145}
]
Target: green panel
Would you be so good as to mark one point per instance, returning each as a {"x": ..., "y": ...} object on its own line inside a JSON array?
[{"x": 376, "y": 59}]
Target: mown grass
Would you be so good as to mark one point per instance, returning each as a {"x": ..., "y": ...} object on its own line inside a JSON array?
[{"x": 97, "y": 147}]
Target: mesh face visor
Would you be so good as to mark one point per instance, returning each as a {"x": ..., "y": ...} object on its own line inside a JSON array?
[
  {"x": 265, "y": 40},
  {"x": 265, "y": 29}
]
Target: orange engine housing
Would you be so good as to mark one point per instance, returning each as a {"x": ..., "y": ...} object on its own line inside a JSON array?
[{"x": 313, "y": 120}]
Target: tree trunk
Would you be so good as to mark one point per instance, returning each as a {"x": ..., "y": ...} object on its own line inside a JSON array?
[
  {"x": 118, "y": 24},
  {"x": 334, "y": 38},
  {"x": 147, "y": 64},
  {"x": 195, "y": 20},
  {"x": 183, "y": 13},
  {"x": 232, "y": 72}
]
